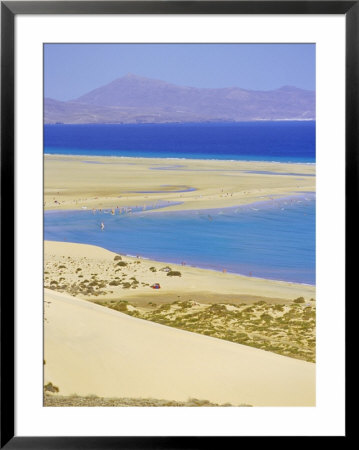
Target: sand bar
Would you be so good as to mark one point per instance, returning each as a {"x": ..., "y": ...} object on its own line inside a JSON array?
[{"x": 74, "y": 182}]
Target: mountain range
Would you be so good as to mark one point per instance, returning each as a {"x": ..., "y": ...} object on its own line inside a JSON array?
[{"x": 135, "y": 99}]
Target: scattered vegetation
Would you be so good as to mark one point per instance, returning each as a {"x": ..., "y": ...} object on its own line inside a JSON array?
[
  {"x": 49, "y": 387},
  {"x": 117, "y": 305},
  {"x": 174, "y": 273},
  {"x": 284, "y": 329},
  {"x": 122, "y": 264},
  {"x": 93, "y": 400}
]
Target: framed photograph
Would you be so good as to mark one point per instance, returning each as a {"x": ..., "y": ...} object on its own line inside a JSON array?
[{"x": 175, "y": 180}]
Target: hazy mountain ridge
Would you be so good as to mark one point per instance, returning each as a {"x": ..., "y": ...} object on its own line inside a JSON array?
[{"x": 134, "y": 99}]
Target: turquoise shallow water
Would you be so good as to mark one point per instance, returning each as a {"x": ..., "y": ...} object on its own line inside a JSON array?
[{"x": 271, "y": 239}]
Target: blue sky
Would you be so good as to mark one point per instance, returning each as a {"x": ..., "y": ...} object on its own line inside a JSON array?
[{"x": 71, "y": 70}]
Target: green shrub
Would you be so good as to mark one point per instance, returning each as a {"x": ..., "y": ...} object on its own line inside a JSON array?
[
  {"x": 49, "y": 387},
  {"x": 122, "y": 264},
  {"x": 174, "y": 273},
  {"x": 117, "y": 258},
  {"x": 120, "y": 307},
  {"x": 266, "y": 317},
  {"x": 278, "y": 308},
  {"x": 299, "y": 300},
  {"x": 218, "y": 309},
  {"x": 165, "y": 307}
]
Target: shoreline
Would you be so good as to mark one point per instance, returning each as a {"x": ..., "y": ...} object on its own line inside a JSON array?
[
  {"x": 178, "y": 266},
  {"x": 163, "y": 209},
  {"x": 200, "y": 282},
  {"x": 178, "y": 158}
]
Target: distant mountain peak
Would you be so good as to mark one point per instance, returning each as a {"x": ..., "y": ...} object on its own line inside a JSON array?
[
  {"x": 133, "y": 98},
  {"x": 132, "y": 76}
]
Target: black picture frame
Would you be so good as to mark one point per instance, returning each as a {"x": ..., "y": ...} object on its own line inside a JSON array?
[{"x": 9, "y": 9}]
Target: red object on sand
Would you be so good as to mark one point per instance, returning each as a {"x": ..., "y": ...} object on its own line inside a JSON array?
[{"x": 156, "y": 286}]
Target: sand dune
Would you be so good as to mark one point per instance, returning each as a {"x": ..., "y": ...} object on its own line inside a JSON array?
[{"x": 90, "y": 349}]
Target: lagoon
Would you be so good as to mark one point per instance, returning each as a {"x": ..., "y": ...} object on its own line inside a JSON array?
[{"x": 272, "y": 239}]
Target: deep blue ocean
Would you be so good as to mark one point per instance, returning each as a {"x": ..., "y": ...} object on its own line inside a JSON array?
[
  {"x": 271, "y": 239},
  {"x": 253, "y": 141}
]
